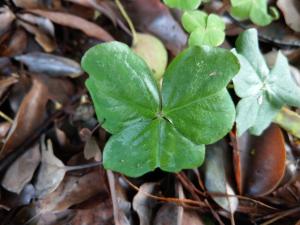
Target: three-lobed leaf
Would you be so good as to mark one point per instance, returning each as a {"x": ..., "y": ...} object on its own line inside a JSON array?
[
  {"x": 262, "y": 92},
  {"x": 205, "y": 29},
  {"x": 183, "y": 4},
  {"x": 150, "y": 131},
  {"x": 255, "y": 10}
]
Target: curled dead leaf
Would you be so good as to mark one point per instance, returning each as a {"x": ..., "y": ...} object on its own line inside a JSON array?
[
  {"x": 92, "y": 150},
  {"x": 291, "y": 13},
  {"x": 217, "y": 171},
  {"x": 30, "y": 116},
  {"x": 69, "y": 20},
  {"x": 260, "y": 161},
  {"x": 15, "y": 45},
  {"x": 49, "y": 64},
  {"x": 41, "y": 37},
  {"x": 168, "y": 214},
  {"x": 51, "y": 172},
  {"x": 31, "y": 4},
  {"x": 6, "y": 18},
  {"x": 73, "y": 190},
  {"x": 41, "y": 22},
  {"x": 22, "y": 170},
  {"x": 6, "y": 83},
  {"x": 152, "y": 16},
  {"x": 4, "y": 129},
  {"x": 144, "y": 205}
]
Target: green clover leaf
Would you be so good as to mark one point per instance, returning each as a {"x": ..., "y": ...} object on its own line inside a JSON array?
[
  {"x": 263, "y": 92},
  {"x": 256, "y": 10},
  {"x": 153, "y": 128},
  {"x": 183, "y": 4},
  {"x": 205, "y": 29}
]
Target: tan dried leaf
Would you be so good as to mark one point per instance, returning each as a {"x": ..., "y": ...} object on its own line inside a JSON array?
[
  {"x": 51, "y": 172},
  {"x": 22, "y": 170},
  {"x": 69, "y": 20}
]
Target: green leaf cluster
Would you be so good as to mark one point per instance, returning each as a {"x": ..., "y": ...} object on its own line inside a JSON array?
[
  {"x": 152, "y": 128},
  {"x": 263, "y": 92},
  {"x": 183, "y": 4},
  {"x": 255, "y": 10},
  {"x": 204, "y": 29}
]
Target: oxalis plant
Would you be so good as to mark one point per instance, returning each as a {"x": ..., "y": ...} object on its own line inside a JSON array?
[
  {"x": 263, "y": 92},
  {"x": 168, "y": 126},
  {"x": 155, "y": 127}
]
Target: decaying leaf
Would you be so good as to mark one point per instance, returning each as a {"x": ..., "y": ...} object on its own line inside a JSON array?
[
  {"x": 30, "y": 116},
  {"x": 51, "y": 172},
  {"x": 260, "y": 162},
  {"x": 44, "y": 40},
  {"x": 31, "y": 4},
  {"x": 4, "y": 129},
  {"x": 168, "y": 214},
  {"x": 291, "y": 13},
  {"x": 144, "y": 205},
  {"x": 22, "y": 170},
  {"x": 5, "y": 83},
  {"x": 217, "y": 174},
  {"x": 49, "y": 64},
  {"x": 74, "y": 190},
  {"x": 42, "y": 23},
  {"x": 15, "y": 45},
  {"x": 191, "y": 217},
  {"x": 69, "y": 20},
  {"x": 6, "y": 18},
  {"x": 151, "y": 16},
  {"x": 92, "y": 150}
]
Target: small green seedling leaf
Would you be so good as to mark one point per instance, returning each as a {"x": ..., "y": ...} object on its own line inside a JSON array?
[
  {"x": 170, "y": 131},
  {"x": 255, "y": 10},
  {"x": 152, "y": 50},
  {"x": 205, "y": 29},
  {"x": 183, "y": 4},
  {"x": 263, "y": 92}
]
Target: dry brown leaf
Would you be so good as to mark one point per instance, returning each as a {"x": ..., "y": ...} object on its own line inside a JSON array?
[
  {"x": 6, "y": 83},
  {"x": 291, "y": 13},
  {"x": 121, "y": 207},
  {"x": 51, "y": 172},
  {"x": 98, "y": 214},
  {"x": 42, "y": 23},
  {"x": 69, "y": 20},
  {"x": 191, "y": 218},
  {"x": 74, "y": 190},
  {"x": 152, "y": 16},
  {"x": 167, "y": 215},
  {"x": 92, "y": 150},
  {"x": 12, "y": 200},
  {"x": 41, "y": 37},
  {"x": 260, "y": 161},
  {"x": 51, "y": 65},
  {"x": 22, "y": 170},
  {"x": 31, "y": 4},
  {"x": 4, "y": 129},
  {"x": 217, "y": 171},
  {"x": 15, "y": 45},
  {"x": 143, "y": 205},
  {"x": 6, "y": 18},
  {"x": 30, "y": 116}
]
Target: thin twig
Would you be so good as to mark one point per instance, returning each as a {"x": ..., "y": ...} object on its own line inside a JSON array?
[
  {"x": 128, "y": 20},
  {"x": 6, "y": 117}
]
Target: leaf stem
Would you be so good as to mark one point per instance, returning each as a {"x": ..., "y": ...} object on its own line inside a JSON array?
[
  {"x": 80, "y": 167},
  {"x": 128, "y": 20},
  {"x": 289, "y": 121},
  {"x": 6, "y": 117}
]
